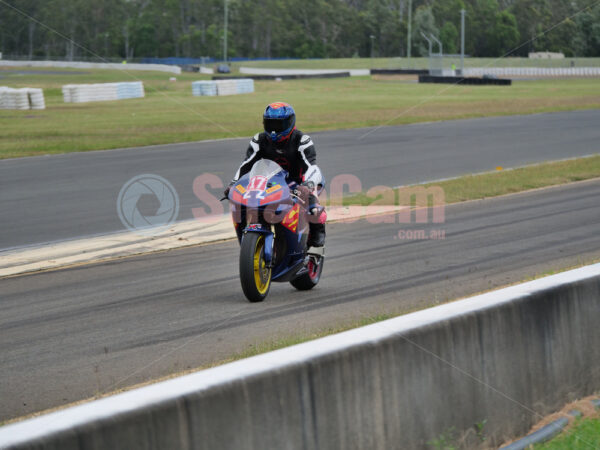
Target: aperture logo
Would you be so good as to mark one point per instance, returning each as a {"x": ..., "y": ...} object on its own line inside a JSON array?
[{"x": 147, "y": 204}]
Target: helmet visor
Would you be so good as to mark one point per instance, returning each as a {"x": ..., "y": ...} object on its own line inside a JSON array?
[{"x": 277, "y": 125}]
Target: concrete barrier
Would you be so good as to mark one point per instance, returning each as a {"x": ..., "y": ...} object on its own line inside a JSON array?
[
  {"x": 87, "y": 65},
  {"x": 305, "y": 73},
  {"x": 505, "y": 359},
  {"x": 284, "y": 77},
  {"x": 399, "y": 72}
]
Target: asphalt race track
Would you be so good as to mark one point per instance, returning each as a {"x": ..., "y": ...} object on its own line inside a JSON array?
[
  {"x": 75, "y": 333},
  {"x": 44, "y": 199}
]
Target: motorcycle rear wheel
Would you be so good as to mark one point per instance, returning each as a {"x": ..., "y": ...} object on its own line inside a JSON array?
[
  {"x": 255, "y": 276},
  {"x": 310, "y": 279}
]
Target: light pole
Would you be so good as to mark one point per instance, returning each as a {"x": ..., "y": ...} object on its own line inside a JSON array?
[
  {"x": 409, "y": 37},
  {"x": 430, "y": 49},
  {"x": 462, "y": 42},
  {"x": 225, "y": 34},
  {"x": 372, "y": 45},
  {"x": 438, "y": 43}
]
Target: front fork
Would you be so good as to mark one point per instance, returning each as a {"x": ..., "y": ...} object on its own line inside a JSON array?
[{"x": 269, "y": 240}]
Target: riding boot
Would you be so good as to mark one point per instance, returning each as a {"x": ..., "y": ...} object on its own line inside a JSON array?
[{"x": 316, "y": 236}]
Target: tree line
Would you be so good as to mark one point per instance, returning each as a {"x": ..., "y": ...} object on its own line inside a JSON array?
[{"x": 80, "y": 29}]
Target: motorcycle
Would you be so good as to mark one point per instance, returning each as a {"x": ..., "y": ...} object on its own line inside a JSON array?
[{"x": 272, "y": 222}]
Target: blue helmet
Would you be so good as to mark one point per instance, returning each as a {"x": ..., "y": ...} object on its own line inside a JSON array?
[{"x": 279, "y": 121}]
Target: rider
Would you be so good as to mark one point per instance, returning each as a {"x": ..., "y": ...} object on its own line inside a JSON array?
[{"x": 295, "y": 152}]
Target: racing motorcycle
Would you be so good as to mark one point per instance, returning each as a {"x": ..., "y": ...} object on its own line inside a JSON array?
[{"x": 272, "y": 222}]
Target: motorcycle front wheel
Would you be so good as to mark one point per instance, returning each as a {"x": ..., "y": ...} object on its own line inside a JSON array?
[{"x": 254, "y": 273}]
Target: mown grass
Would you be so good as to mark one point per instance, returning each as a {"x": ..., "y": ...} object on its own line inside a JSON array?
[
  {"x": 584, "y": 434},
  {"x": 170, "y": 114},
  {"x": 502, "y": 182}
]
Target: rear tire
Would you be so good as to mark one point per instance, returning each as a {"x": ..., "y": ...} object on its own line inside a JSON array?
[
  {"x": 254, "y": 275},
  {"x": 310, "y": 279}
]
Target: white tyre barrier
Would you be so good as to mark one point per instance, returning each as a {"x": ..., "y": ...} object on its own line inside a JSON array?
[
  {"x": 226, "y": 87},
  {"x": 36, "y": 98},
  {"x": 534, "y": 71},
  {"x": 82, "y": 93},
  {"x": 223, "y": 87},
  {"x": 245, "y": 86},
  {"x": 204, "y": 88},
  {"x": 24, "y": 98}
]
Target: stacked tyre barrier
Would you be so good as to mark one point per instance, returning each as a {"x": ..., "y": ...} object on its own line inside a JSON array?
[
  {"x": 223, "y": 87},
  {"x": 465, "y": 80},
  {"x": 245, "y": 86},
  {"x": 25, "y": 98},
  {"x": 204, "y": 88},
  {"x": 82, "y": 93},
  {"x": 226, "y": 87}
]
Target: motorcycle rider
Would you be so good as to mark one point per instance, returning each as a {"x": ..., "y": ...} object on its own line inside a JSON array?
[{"x": 295, "y": 152}]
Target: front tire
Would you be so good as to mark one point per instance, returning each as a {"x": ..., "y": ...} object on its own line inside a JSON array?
[
  {"x": 254, "y": 274},
  {"x": 310, "y": 279}
]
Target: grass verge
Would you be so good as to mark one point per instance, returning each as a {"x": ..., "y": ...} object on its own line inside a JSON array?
[
  {"x": 501, "y": 182},
  {"x": 170, "y": 113},
  {"x": 584, "y": 434}
]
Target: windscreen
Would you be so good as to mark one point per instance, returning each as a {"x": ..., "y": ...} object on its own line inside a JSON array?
[{"x": 265, "y": 168}]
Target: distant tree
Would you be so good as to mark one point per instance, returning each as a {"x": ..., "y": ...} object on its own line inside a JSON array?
[
  {"x": 480, "y": 24},
  {"x": 423, "y": 22},
  {"x": 534, "y": 17},
  {"x": 292, "y": 28},
  {"x": 504, "y": 36},
  {"x": 449, "y": 38},
  {"x": 587, "y": 40},
  {"x": 446, "y": 11}
]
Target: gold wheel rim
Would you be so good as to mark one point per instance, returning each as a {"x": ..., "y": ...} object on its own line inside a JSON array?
[{"x": 262, "y": 274}]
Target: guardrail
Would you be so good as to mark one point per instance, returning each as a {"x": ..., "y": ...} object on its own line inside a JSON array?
[{"x": 505, "y": 359}]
